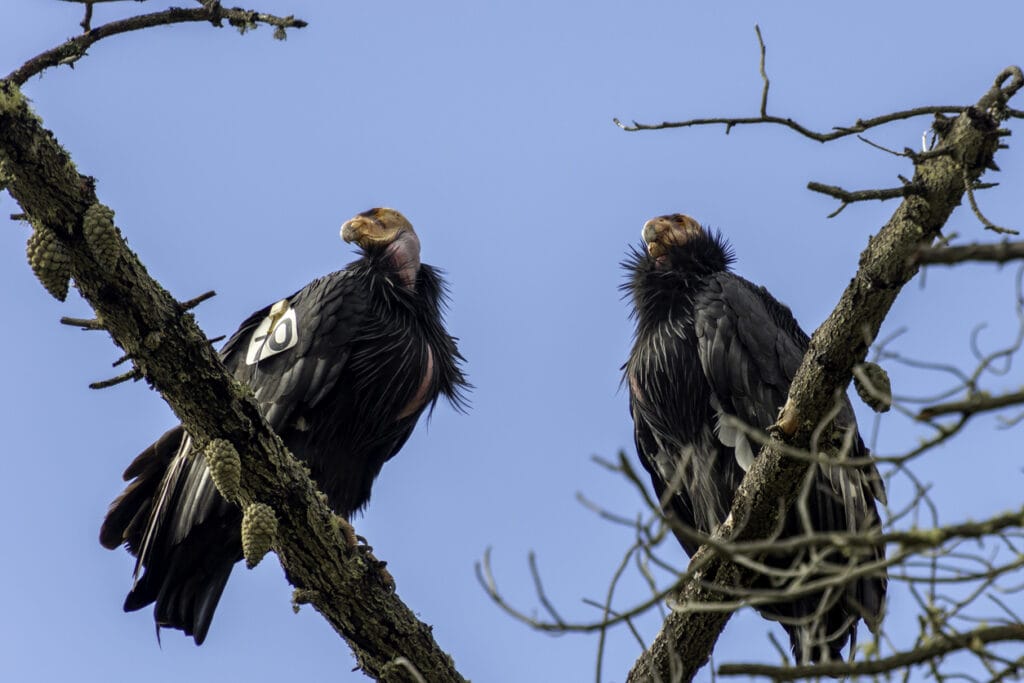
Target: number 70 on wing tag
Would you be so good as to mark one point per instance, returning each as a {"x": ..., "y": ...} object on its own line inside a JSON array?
[{"x": 278, "y": 332}]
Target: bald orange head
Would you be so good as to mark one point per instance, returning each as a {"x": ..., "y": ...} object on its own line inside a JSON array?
[
  {"x": 664, "y": 232},
  {"x": 376, "y": 228}
]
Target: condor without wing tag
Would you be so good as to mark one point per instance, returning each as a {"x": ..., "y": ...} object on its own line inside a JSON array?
[{"x": 278, "y": 332}]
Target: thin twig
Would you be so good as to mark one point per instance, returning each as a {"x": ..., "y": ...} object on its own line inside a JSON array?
[
  {"x": 847, "y": 197},
  {"x": 977, "y": 212},
  {"x": 606, "y": 610},
  {"x": 83, "y": 323},
  {"x": 538, "y": 586},
  {"x": 764, "y": 73},
  {"x": 134, "y": 375},
  {"x": 883, "y": 148},
  {"x": 195, "y": 301}
]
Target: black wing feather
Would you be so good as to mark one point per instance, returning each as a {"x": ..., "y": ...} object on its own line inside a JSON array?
[
  {"x": 329, "y": 312},
  {"x": 747, "y": 357}
]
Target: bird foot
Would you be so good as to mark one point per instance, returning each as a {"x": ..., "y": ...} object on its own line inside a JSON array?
[{"x": 347, "y": 531}]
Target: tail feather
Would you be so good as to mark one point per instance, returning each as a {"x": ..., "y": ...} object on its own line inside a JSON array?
[
  {"x": 186, "y": 537},
  {"x": 821, "y": 624},
  {"x": 128, "y": 515},
  {"x": 187, "y": 579}
]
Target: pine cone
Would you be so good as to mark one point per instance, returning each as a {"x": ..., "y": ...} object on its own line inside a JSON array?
[
  {"x": 101, "y": 235},
  {"x": 879, "y": 396},
  {"x": 225, "y": 467},
  {"x": 50, "y": 261},
  {"x": 259, "y": 532}
]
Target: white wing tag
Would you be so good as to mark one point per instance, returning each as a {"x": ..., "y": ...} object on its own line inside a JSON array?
[{"x": 278, "y": 332}]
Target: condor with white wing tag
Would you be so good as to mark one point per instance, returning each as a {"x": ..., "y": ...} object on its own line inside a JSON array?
[{"x": 278, "y": 332}]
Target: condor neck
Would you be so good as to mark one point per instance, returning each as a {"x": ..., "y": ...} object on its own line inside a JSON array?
[{"x": 403, "y": 257}]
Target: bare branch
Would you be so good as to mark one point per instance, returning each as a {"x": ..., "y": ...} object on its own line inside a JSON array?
[
  {"x": 976, "y": 404},
  {"x": 910, "y": 542},
  {"x": 86, "y": 324},
  {"x": 885, "y": 149},
  {"x": 859, "y": 126},
  {"x": 847, "y": 197},
  {"x": 764, "y": 73},
  {"x": 195, "y": 301},
  {"x": 75, "y": 48},
  {"x": 1000, "y": 252},
  {"x": 538, "y": 586},
  {"x": 133, "y": 375},
  {"x": 989, "y": 225},
  {"x": 925, "y": 652}
]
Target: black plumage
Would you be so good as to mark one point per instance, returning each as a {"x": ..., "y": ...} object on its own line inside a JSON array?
[
  {"x": 710, "y": 344},
  {"x": 342, "y": 370}
]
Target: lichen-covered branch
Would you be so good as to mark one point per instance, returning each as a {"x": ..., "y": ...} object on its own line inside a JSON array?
[
  {"x": 75, "y": 48},
  {"x": 968, "y": 144},
  {"x": 343, "y": 583}
]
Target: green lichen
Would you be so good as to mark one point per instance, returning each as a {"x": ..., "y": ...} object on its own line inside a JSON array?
[
  {"x": 153, "y": 340},
  {"x": 303, "y": 596},
  {"x": 10, "y": 98},
  {"x": 5, "y": 177}
]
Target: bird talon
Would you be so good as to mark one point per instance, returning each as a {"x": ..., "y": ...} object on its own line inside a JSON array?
[
  {"x": 347, "y": 531},
  {"x": 385, "y": 576}
]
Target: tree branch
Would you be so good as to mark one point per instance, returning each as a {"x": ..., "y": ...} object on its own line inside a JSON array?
[
  {"x": 847, "y": 197},
  {"x": 940, "y": 645},
  {"x": 342, "y": 582},
  {"x": 975, "y": 404},
  {"x": 75, "y": 48},
  {"x": 1001, "y": 252},
  {"x": 989, "y": 225},
  {"x": 859, "y": 126},
  {"x": 770, "y": 487},
  {"x": 763, "y": 72}
]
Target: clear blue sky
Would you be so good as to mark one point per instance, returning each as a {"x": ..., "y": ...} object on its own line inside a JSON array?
[{"x": 231, "y": 162}]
